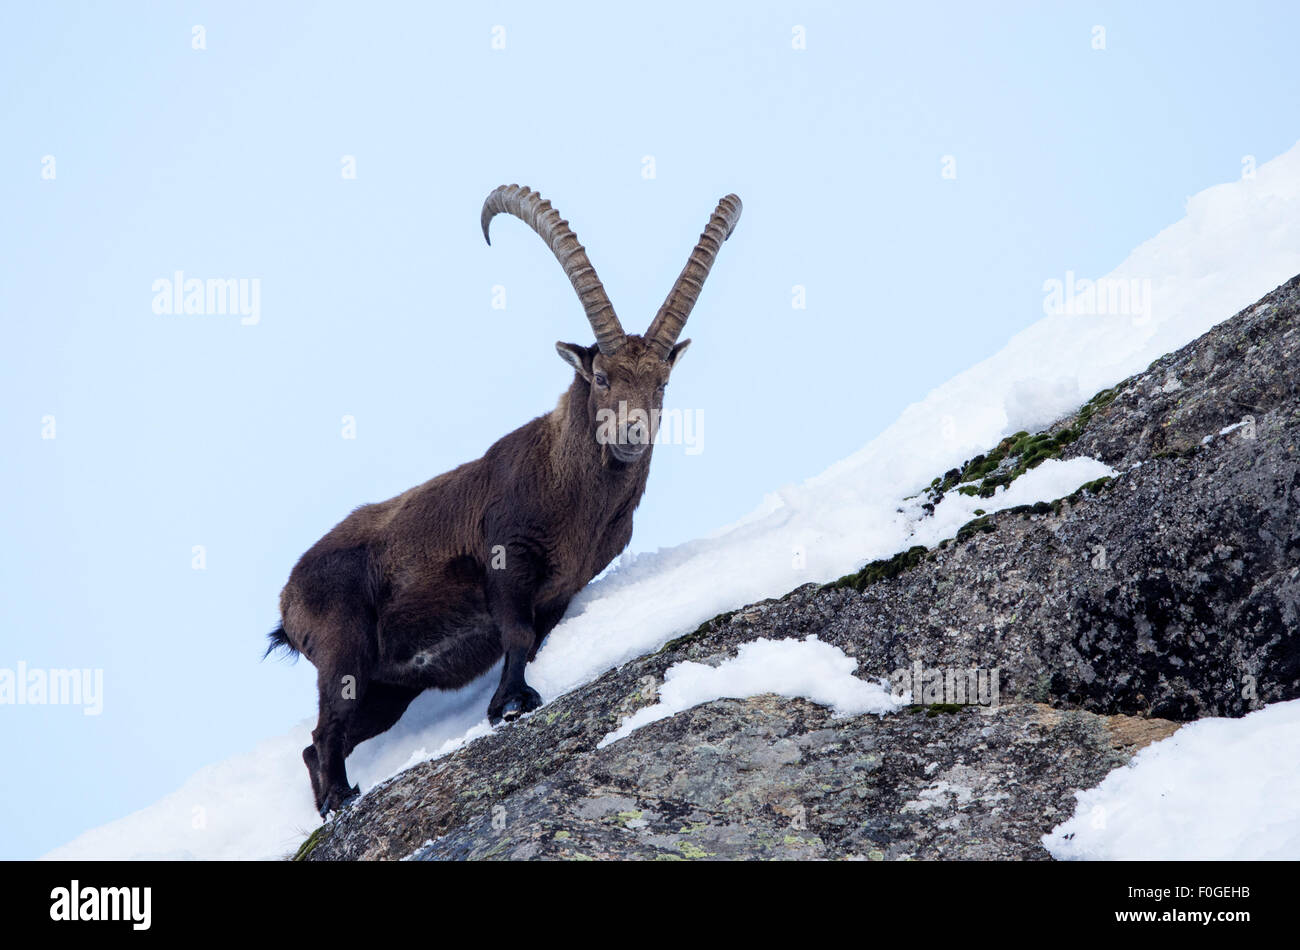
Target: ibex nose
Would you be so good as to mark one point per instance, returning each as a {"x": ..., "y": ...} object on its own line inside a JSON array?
[{"x": 628, "y": 451}]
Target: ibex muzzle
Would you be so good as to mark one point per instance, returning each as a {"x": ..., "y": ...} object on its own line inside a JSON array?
[{"x": 431, "y": 588}]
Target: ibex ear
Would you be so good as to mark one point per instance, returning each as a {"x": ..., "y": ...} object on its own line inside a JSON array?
[
  {"x": 676, "y": 352},
  {"x": 579, "y": 357}
]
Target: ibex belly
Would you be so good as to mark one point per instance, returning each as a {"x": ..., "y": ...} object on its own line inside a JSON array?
[
  {"x": 448, "y": 660},
  {"x": 437, "y": 636}
]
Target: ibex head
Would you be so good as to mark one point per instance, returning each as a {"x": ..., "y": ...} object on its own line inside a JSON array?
[{"x": 625, "y": 375}]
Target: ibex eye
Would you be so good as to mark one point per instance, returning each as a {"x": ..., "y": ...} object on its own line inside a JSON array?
[{"x": 601, "y": 380}]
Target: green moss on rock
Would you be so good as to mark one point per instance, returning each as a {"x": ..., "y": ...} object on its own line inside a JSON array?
[
  {"x": 1017, "y": 454},
  {"x": 979, "y": 526},
  {"x": 1091, "y": 488},
  {"x": 703, "y": 630},
  {"x": 881, "y": 570},
  {"x": 308, "y": 846}
]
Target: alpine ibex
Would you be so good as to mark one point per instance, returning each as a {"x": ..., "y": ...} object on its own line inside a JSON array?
[{"x": 429, "y": 589}]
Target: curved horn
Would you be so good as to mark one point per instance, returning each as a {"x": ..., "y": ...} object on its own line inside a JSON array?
[
  {"x": 529, "y": 207},
  {"x": 668, "y": 322}
]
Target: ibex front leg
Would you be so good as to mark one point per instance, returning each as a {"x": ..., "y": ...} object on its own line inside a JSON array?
[{"x": 511, "y": 606}]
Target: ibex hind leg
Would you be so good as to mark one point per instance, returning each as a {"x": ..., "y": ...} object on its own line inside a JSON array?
[
  {"x": 312, "y": 761},
  {"x": 329, "y": 777},
  {"x": 343, "y": 726},
  {"x": 382, "y": 706},
  {"x": 342, "y": 685}
]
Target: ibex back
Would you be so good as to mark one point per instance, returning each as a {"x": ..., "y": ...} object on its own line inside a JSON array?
[{"x": 429, "y": 589}]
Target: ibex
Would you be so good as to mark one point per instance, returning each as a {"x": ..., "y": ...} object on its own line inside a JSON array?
[{"x": 431, "y": 588}]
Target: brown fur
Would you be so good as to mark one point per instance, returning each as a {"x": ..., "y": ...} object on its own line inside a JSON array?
[
  {"x": 403, "y": 595},
  {"x": 431, "y": 588}
]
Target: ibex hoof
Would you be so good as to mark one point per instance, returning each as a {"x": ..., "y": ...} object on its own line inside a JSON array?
[
  {"x": 515, "y": 705},
  {"x": 339, "y": 799}
]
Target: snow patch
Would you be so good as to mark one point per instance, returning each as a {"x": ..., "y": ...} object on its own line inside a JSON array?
[
  {"x": 806, "y": 668},
  {"x": 1047, "y": 481},
  {"x": 1221, "y": 789}
]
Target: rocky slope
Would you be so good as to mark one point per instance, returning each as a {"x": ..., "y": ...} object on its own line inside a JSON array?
[{"x": 1167, "y": 593}]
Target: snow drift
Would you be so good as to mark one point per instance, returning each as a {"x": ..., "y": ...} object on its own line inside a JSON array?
[{"x": 1216, "y": 789}]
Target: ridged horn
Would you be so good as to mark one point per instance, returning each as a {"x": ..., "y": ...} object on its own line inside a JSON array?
[
  {"x": 536, "y": 212},
  {"x": 668, "y": 322}
]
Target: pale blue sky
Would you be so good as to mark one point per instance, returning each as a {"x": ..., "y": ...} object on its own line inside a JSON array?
[{"x": 175, "y": 431}]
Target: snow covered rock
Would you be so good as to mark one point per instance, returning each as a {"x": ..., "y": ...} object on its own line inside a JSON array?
[{"x": 1165, "y": 593}]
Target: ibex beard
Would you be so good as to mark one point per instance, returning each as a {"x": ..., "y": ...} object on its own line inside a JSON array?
[{"x": 429, "y": 589}]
